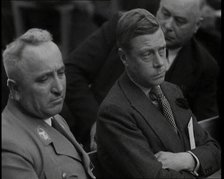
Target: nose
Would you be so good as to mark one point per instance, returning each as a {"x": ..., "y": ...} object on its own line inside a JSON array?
[
  {"x": 167, "y": 25},
  {"x": 57, "y": 87},
  {"x": 158, "y": 61}
]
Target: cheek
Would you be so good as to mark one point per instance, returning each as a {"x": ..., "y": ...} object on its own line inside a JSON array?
[
  {"x": 145, "y": 69},
  {"x": 64, "y": 83},
  {"x": 160, "y": 17},
  {"x": 183, "y": 33},
  {"x": 40, "y": 95}
]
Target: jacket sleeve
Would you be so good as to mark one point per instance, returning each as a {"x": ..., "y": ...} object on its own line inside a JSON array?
[
  {"x": 124, "y": 151},
  {"x": 82, "y": 67},
  {"x": 15, "y": 165},
  {"x": 207, "y": 151}
]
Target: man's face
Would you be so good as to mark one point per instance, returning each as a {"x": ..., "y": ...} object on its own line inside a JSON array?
[
  {"x": 179, "y": 20},
  {"x": 42, "y": 82},
  {"x": 146, "y": 60}
]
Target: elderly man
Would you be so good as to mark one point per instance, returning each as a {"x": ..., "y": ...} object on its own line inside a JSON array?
[
  {"x": 190, "y": 66},
  {"x": 144, "y": 128},
  {"x": 94, "y": 66},
  {"x": 36, "y": 141}
]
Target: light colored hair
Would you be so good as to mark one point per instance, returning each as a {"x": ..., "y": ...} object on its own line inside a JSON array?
[
  {"x": 134, "y": 23},
  {"x": 12, "y": 53}
]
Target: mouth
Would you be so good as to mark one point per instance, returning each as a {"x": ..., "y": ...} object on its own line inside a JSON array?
[
  {"x": 57, "y": 100},
  {"x": 160, "y": 75},
  {"x": 168, "y": 38}
]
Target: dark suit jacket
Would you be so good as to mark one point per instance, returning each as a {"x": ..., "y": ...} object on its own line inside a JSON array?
[
  {"x": 130, "y": 130},
  {"x": 91, "y": 70},
  {"x": 195, "y": 71},
  {"x": 32, "y": 149},
  {"x": 94, "y": 66}
]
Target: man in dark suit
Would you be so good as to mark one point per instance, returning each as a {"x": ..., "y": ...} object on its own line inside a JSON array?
[
  {"x": 36, "y": 141},
  {"x": 191, "y": 67},
  {"x": 94, "y": 66},
  {"x": 143, "y": 137}
]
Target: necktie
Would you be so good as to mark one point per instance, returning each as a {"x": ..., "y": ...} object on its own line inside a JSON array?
[{"x": 164, "y": 105}]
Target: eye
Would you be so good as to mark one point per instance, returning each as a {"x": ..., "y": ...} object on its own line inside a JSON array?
[
  {"x": 162, "y": 51},
  {"x": 147, "y": 53},
  {"x": 43, "y": 79},
  {"x": 165, "y": 13},
  {"x": 61, "y": 72},
  {"x": 180, "y": 21}
]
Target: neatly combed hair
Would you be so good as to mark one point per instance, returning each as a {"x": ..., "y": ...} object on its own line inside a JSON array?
[
  {"x": 134, "y": 23},
  {"x": 13, "y": 51}
]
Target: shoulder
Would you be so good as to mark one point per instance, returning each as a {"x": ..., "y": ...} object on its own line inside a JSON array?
[
  {"x": 115, "y": 101},
  {"x": 113, "y": 95},
  {"x": 18, "y": 141},
  {"x": 203, "y": 56}
]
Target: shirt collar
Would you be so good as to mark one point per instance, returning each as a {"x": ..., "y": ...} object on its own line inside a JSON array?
[
  {"x": 48, "y": 121},
  {"x": 172, "y": 55}
]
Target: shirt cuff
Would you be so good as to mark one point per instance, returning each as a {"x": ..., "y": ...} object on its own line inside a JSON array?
[{"x": 195, "y": 171}]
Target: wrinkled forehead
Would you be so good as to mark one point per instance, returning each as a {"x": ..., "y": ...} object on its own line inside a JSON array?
[
  {"x": 155, "y": 40},
  {"x": 42, "y": 52},
  {"x": 46, "y": 56},
  {"x": 182, "y": 7}
]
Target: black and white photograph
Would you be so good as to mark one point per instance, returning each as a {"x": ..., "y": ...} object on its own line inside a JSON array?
[{"x": 111, "y": 89}]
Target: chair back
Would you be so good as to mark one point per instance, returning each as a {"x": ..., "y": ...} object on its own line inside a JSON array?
[{"x": 212, "y": 125}]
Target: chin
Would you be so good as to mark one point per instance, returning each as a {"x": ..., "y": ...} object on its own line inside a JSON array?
[
  {"x": 55, "y": 110},
  {"x": 158, "y": 82}
]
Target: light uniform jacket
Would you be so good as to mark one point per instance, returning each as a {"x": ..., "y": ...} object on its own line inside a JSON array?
[
  {"x": 31, "y": 149},
  {"x": 130, "y": 130}
]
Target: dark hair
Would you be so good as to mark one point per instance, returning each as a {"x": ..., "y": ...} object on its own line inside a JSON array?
[{"x": 134, "y": 23}]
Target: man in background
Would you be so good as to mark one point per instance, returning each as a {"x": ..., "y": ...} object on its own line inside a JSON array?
[{"x": 190, "y": 66}]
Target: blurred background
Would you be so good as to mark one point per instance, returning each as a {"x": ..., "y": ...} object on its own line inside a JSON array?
[{"x": 72, "y": 21}]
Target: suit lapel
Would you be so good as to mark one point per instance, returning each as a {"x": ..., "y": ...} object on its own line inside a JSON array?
[
  {"x": 66, "y": 132},
  {"x": 61, "y": 144},
  {"x": 154, "y": 118}
]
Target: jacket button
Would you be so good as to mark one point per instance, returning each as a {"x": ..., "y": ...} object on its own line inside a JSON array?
[{"x": 64, "y": 175}]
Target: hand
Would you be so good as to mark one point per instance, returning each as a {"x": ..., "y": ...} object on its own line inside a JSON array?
[
  {"x": 93, "y": 144},
  {"x": 176, "y": 161}
]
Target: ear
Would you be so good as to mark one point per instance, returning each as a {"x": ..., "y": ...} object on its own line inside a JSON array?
[
  {"x": 14, "y": 89},
  {"x": 122, "y": 55},
  {"x": 198, "y": 24}
]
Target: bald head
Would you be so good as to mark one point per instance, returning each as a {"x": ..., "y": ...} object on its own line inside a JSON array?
[
  {"x": 12, "y": 55},
  {"x": 192, "y": 6},
  {"x": 180, "y": 20}
]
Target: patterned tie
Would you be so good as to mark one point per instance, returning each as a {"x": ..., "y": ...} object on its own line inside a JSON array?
[{"x": 164, "y": 105}]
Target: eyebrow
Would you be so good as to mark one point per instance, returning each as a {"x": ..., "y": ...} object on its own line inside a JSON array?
[
  {"x": 162, "y": 47},
  {"x": 50, "y": 72},
  {"x": 163, "y": 8},
  {"x": 180, "y": 17},
  {"x": 61, "y": 68},
  {"x": 147, "y": 48}
]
